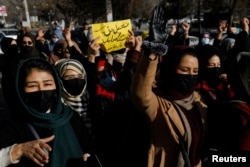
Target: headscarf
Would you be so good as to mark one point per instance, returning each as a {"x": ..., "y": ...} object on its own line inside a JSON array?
[
  {"x": 32, "y": 53},
  {"x": 6, "y": 44},
  {"x": 168, "y": 71},
  {"x": 80, "y": 102},
  {"x": 59, "y": 34},
  {"x": 204, "y": 53},
  {"x": 239, "y": 76},
  {"x": 65, "y": 144}
]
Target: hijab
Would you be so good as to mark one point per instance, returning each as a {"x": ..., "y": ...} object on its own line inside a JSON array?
[
  {"x": 78, "y": 103},
  {"x": 33, "y": 52},
  {"x": 167, "y": 75},
  {"x": 239, "y": 76},
  {"x": 65, "y": 145}
]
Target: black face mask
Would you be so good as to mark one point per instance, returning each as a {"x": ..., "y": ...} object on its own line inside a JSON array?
[
  {"x": 74, "y": 86},
  {"x": 212, "y": 76},
  {"x": 41, "y": 100},
  {"x": 185, "y": 84},
  {"x": 27, "y": 48},
  {"x": 14, "y": 49}
]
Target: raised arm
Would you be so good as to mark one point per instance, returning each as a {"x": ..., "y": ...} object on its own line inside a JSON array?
[{"x": 141, "y": 88}]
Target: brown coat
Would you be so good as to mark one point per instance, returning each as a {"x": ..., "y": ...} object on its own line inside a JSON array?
[{"x": 165, "y": 121}]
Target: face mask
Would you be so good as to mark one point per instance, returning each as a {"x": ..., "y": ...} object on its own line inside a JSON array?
[
  {"x": 212, "y": 76},
  {"x": 107, "y": 79},
  {"x": 205, "y": 41},
  {"x": 74, "y": 86},
  {"x": 13, "y": 48},
  {"x": 185, "y": 84},
  {"x": 27, "y": 48},
  {"x": 54, "y": 40},
  {"x": 41, "y": 101}
]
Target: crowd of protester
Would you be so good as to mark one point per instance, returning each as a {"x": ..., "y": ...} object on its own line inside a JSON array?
[{"x": 160, "y": 102}]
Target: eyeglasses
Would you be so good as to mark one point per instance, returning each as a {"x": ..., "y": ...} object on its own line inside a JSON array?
[{"x": 27, "y": 43}]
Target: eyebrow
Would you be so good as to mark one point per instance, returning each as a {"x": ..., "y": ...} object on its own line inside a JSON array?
[{"x": 49, "y": 80}]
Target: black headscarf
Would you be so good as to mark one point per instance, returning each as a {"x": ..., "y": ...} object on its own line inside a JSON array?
[
  {"x": 239, "y": 76},
  {"x": 65, "y": 145},
  {"x": 204, "y": 53},
  {"x": 31, "y": 53}
]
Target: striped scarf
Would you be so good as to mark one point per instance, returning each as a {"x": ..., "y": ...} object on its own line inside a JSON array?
[{"x": 78, "y": 103}]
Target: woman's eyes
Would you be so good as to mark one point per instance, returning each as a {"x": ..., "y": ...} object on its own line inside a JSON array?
[
  {"x": 36, "y": 85},
  {"x": 31, "y": 86},
  {"x": 187, "y": 70},
  {"x": 73, "y": 77}
]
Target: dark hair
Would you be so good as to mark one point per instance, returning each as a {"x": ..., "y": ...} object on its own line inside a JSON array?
[
  {"x": 204, "y": 54},
  {"x": 239, "y": 76},
  {"x": 27, "y": 66},
  {"x": 171, "y": 60}
]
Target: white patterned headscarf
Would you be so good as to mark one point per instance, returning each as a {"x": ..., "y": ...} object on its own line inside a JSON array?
[{"x": 80, "y": 102}]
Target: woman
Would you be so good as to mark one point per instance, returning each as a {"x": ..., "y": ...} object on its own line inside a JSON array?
[
  {"x": 43, "y": 114},
  {"x": 74, "y": 82},
  {"x": 230, "y": 119},
  {"x": 75, "y": 93},
  {"x": 212, "y": 84},
  {"x": 28, "y": 47},
  {"x": 9, "y": 61},
  {"x": 175, "y": 110}
]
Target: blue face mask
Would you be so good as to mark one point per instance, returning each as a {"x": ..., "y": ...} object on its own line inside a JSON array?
[
  {"x": 205, "y": 41},
  {"x": 54, "y": 40},
  {"x": 107, "y": 79}
]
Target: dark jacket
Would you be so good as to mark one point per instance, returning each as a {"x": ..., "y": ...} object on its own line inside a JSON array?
[{"x": 70, "y": 141}]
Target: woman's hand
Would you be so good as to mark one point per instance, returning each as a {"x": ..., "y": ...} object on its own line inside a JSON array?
[
  {"x": 138, "y": 43},
  {"x": 36, "y": 150},
  {"x": 130, "y": 43},
  {"x": 40, "y": 35},
  {"x": 244, "y": 22},
  {"x": 93, "y": 49}
]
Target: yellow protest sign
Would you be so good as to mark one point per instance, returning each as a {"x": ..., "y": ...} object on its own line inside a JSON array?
[{"x": 113, "y": 34}]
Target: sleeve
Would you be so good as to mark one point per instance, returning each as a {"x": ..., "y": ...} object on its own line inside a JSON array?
[
  {"x": 5, "y": 156},
  {"x": 141, "y": 87}
]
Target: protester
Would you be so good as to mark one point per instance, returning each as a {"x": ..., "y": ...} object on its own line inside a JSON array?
[
  {"x": 213, "y": 84},
  {"x": 179, "y": 38},
  {"x": 206, "y": 39},
  {"x": 225, "y": 38},
  {"x": 242, "y": 41},
  {"x": 46, "y": 43},
  {"x": 9, "y": 63},
  {"x": 75, "y": 93},
  {"x": 175, "y": 111},
  {"x": 28, "y": 47},
  {"x": 43, "y": 114},
  {"x": 112, "y": 112},
  {"x": 229, "y": 120},
  {"x": 84, "y": 38}
]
